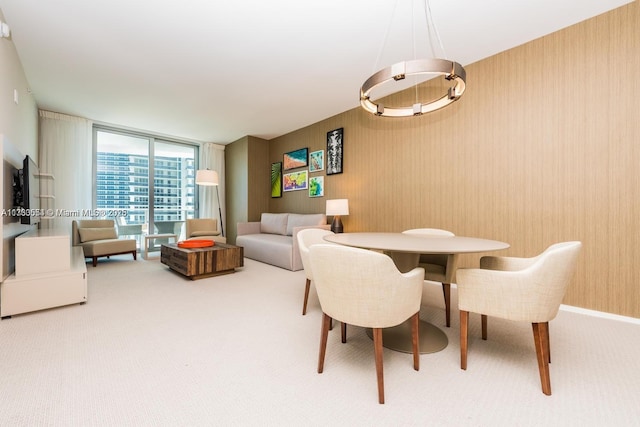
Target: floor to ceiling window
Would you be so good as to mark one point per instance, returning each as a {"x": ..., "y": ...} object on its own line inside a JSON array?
[{"x": 150, "y": 180}]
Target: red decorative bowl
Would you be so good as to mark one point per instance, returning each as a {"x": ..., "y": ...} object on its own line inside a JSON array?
[{"x": 196, "y": 243}]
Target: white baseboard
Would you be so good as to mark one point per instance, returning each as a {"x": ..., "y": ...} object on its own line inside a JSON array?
[{"x": 602, "y": 314}]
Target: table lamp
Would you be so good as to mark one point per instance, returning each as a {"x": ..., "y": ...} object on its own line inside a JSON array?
[
  {"x": 337, "y": 207},
  {"x": 208, "y": 178}
]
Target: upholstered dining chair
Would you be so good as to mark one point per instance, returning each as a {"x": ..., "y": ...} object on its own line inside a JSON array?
[
  {"x": 439, "y": 268},
  {"x": 523, "y": 289},
  {"x": 306, "y": 238},
  {"x": 364, "y": 288}
]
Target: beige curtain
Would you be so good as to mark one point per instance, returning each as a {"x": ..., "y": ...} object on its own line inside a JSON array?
[
  {"x": 212, "y": 157},
  {"x": 66, "y": 154}
]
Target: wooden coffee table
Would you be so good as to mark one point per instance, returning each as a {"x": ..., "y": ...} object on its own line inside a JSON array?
[{"x": 198, "y": 263}]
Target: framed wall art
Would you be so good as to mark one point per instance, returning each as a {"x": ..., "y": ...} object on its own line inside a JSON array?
[
  {"x": 316, "y": 161},
  {"x": 334, "y": 151},
  {"x": 296, "y": 159},
  {"x": 316, "y": 186},
  {"x": 295, "y": 181},
  {"x": 276, "y": 179}
]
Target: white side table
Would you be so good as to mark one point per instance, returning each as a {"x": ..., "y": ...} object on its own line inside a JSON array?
[{"x": 148, "y": 237}]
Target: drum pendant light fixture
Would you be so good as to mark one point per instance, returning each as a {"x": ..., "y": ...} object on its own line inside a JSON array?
[{"x": 451, "y": 70}]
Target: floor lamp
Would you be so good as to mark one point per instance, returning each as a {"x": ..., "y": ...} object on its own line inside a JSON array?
[{"x": 207, "y": 177}]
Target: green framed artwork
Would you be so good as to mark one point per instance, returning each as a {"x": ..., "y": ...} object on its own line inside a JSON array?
[
  {"x": 276, "y": 179},
  {"x": 316, "y": 186}
]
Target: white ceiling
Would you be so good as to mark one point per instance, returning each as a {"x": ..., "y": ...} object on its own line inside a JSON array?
[{"x": 215, "y": 71}]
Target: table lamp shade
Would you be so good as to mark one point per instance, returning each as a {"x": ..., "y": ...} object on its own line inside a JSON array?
[{"x": 335, "y": 208}]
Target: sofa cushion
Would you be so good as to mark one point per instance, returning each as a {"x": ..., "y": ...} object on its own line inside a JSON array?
[
  {"x": 272, "y": 249},
  {"x": 304, "y": 220},
  {"x": 204, "y": 233},
  {"x": 274, "y": 223},
  {"x": 90, "y": 234},
  {"x": 108, "y": 247}
]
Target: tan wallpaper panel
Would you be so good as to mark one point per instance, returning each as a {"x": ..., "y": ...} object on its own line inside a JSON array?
[
  {"x": 259, "y": 188},
  {"x": 237, "y": 185},
  {"x": 542, "y": 148}
]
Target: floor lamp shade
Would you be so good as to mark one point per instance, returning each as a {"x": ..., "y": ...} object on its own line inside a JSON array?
[
  {"x": 207, "y": 177},
  {"x": 336, "y": 208}
]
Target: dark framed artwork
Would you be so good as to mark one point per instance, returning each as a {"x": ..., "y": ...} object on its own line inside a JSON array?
[
  {"x": 276, "y": 179},
  {"x": 296, "y": 159},
  {"x": 334, "y": 151}
]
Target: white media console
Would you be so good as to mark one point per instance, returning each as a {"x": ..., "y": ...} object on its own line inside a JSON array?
[{"x": 49, "y": 272}]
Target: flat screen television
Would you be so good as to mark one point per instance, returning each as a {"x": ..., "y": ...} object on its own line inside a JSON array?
[{"x": 26, "y": 192}]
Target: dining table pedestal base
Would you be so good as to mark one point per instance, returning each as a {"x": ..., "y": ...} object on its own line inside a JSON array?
[{"x": 398, "y": 338}]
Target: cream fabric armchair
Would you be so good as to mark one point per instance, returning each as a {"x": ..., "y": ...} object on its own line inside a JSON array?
[
  {"x": 364, "y": 288},
  {"x": 99, "y": 238},
  {"x": 306, "y": 238},
  {"x": 203, "y": 228},
  {"x": 438, "y": 267},
  {"x": 523, "y": 289}
]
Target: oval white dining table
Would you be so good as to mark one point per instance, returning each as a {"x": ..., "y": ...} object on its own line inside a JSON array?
[{"x": 406, "y": 250}]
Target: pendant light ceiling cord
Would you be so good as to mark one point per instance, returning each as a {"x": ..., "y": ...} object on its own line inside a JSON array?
[
  {"x": 413, "y": 34},
  {"x": 428, "y": 16},
  {"x": 384, "y": 41}
]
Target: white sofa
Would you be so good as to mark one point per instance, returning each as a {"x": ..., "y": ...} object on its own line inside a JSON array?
[{"x": 273, "y": 239}]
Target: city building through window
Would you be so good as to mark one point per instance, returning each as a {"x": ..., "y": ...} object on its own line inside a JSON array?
[{"x": 147, "y": 182}]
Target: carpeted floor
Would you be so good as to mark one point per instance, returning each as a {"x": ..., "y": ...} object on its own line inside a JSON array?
[{"x": 152, "y": 348}]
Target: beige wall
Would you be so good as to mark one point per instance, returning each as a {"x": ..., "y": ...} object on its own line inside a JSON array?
[
  {"x": 18, "y": 123},
  {"x": 542, "y": 148},
  {"x": 247, "y": 194},
  {"x": 236, "y": 181},
  {"x": 18, "y": 136}
]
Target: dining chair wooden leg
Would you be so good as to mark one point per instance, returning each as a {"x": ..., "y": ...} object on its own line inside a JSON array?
[
  {"x": 343, "y": 329},
  {"x": 306, "y": 296},
  {"x": 377, "y": 346},
  {"x": 464, "y": 330},
  {"x": 543, "y": 361},
  {"x": 446, "y": 291},
  {"x": 323, "y": 341},
  {"x": 415, "y": 340},
  {"x": 548, "y": 343},
  {"x": 483, "y": 320}
]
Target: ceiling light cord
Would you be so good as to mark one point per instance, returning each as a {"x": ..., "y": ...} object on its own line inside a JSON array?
[
  {"x": 428, "y": 16},
  {"x": 384, "y": 40},
  {"x": 413, "y": 32}
]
